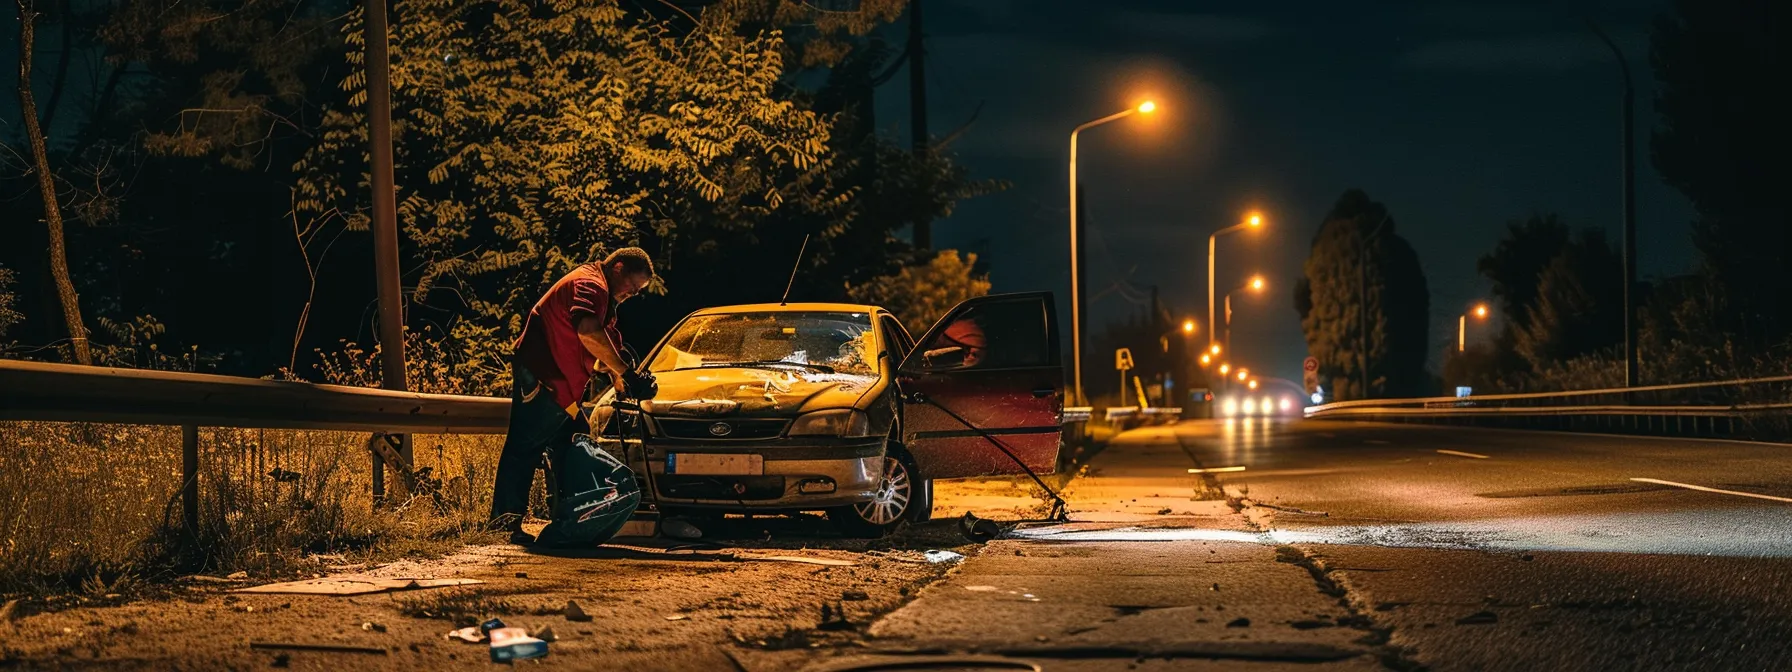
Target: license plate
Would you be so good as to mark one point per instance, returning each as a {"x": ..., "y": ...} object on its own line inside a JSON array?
[{"x": 710, "y": 464}]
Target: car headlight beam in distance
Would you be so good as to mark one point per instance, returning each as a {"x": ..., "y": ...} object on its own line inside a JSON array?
[{"x": 1287, "y": 405}]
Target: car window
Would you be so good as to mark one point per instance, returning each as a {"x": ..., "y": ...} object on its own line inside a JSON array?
[
  {"x": 897, "y": 338},
  {"x": 996, "y": 335},
  {"x": 839, "y": 341}
]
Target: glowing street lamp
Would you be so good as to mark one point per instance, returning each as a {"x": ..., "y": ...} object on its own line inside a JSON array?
[
  {"x": 1188, "y": 327},
  {"x": 1256, "y": 285},
  {"x": 1480, "y": 313},
  {"x": 1076, "y": 307},
  {"x": 1254, "y": 220},
  {"x": 1225, "y": 369},
  {"x": 1253, "y": 384},
  {"x": 1206, "y": 359},
  {"x": 1243, "y": 374}
]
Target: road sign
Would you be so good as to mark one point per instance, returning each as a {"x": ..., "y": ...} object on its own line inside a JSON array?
[
  {"x": 1122, "y": 360},
  {"x": 1311, "y": 365}
]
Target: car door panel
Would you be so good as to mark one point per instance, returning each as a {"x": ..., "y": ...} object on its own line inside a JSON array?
[{"x": 988, "y": 372}]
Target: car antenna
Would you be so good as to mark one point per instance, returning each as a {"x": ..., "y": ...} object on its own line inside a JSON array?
[{"x": 799, "y": 264}]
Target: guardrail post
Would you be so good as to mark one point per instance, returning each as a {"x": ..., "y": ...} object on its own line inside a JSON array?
[{"x": 189, "y": 475}]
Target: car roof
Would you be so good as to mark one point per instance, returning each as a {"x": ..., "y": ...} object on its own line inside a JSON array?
[{"x": 790, "y": 308}]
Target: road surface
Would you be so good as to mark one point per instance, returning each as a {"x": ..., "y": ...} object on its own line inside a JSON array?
[
  {"x": 1361, "y": 546},
  {"x": 1291, "y": 545}
]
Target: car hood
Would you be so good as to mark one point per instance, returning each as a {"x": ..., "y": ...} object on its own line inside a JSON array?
[{"x": 715, "y": 392}]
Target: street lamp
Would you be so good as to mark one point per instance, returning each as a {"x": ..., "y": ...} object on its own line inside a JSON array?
[
  {"x": 1251, "y": 221},
  {"x": 1253, "y": 384},
  {"x": 1256, "y": 285},
  {"x": 1243, "y": 374},
  {"x": 1076, "y": 307},
  {"x": 1206, "y": 359},
  {"x": 1480, "y": 313},
  {"x": 1225, "y": 369},
  {"x": 1188, "y": 327}
]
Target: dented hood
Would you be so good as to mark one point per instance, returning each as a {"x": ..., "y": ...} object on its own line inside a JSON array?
[{"x": 762, "y": 392}]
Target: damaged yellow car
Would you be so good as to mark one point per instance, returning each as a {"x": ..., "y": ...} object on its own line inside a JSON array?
[{"x": 833, "y": 407}]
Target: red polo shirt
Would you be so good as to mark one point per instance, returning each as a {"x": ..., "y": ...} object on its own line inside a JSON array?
[{"x": 550, "y": 347}]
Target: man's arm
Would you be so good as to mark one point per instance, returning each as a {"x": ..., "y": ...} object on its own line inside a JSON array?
[{"x": 597, "y": 342}]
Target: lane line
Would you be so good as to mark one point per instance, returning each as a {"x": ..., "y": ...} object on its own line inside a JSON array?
[
  {"x": 1702, "y": 488},
  {"x": 1215, "y": 470},
  {"x": 1459, "y": 453}
]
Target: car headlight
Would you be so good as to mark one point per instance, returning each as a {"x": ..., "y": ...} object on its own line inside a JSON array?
[{"x": 843, "y": 422}]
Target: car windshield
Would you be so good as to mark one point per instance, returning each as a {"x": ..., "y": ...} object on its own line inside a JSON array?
[{"x": 822, "y": 342}]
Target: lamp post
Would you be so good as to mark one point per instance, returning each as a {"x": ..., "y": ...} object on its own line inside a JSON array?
[
  {"x": 1252, "y": 220},
  {"x": 1629, "y": 151},
  {"x": 1256, "y": 285},
  {"x": 1076, "y": 288},
  {"x": 1480, "y": 313}
]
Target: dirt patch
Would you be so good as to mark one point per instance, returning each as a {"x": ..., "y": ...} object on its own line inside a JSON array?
[{"x": 653, "y": 605}]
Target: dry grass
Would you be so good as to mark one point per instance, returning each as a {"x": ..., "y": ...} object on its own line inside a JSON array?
[{"x": 95, "y": 508}]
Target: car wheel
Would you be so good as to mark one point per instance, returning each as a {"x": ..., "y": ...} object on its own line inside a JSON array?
[{"x": 897, "y": 493}]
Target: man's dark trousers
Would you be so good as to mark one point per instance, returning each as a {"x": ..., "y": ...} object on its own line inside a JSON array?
[{"x": 536, "y": 425}]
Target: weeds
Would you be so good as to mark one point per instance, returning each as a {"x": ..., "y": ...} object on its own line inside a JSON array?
[
  {"x": 463, "y": 607},
  {"x": 94, "y": 509}
]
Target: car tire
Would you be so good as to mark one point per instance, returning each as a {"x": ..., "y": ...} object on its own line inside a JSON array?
[{"x": 898, "y": 493}]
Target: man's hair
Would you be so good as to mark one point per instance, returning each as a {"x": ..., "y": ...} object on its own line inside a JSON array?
[{"x": 634, "y": 261}]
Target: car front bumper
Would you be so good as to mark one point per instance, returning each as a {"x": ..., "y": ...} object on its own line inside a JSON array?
[{"x": 799, "y": 474}]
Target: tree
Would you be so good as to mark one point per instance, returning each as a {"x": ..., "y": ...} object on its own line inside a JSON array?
[
  {"x": 1330, "y": 296},
  {"x": 1723, "y": 142},
  {"x": 920, "y": 295},
  {"x": 533, "y": 138},
  {"x": 9, "y": 313},
  {"x": 1516, "y": 264},
  {"x": 1579, "y": 305},
  {"x": 46, "y": 181}
]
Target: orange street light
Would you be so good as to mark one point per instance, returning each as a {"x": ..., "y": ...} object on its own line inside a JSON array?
[
  {"x": 1480, "y": 313},
  {"x": 1254, "y": 220},
  {"x": 1253, "y": 384},
  {"x": 1257, "y": 283},
  {"x": 1206, "y": 359},
  {"x": 1214, "y": 349},
  {"x": 1243, "y": 374},
  {"x": 1076, "y": 298},
  {"x": 1225, "y": 369},
  {"x": 1188, "y": 327}
]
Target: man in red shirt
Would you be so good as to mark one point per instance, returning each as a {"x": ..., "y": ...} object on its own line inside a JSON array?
[{"x": 570, "y": 334}]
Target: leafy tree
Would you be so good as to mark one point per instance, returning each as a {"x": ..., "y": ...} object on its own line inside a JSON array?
[
  {"x": 534, "y": 137},
  {"x": 1723, "y": 142},
  {"x": 1359, "y": 236},
  {"x": 920, "y": 295},
  {"x": 1517, "y": 263},
  {"x": 1579, "y": 305},
  {"x": 9, "y": 313}
]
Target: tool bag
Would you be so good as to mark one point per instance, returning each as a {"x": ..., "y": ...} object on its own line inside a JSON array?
[{"x": 597, "y": 496}]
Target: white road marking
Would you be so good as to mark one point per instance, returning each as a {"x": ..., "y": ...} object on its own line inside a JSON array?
[
  {"x": 1459, "y": 453},
  {"x": 1701, "y": 488},
  {"x": 1215, "y": 470}
]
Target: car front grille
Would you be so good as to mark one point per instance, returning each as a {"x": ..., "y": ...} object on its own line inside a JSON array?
[
  {"x": 706, "y": 430},
  {"x": 731, "y": 488}
]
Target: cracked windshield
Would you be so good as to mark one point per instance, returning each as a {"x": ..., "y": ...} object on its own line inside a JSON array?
[{"x": 819, "y": 342}]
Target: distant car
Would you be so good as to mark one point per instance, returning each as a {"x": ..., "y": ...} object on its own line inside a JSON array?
[{"x": 832, "y": 407}]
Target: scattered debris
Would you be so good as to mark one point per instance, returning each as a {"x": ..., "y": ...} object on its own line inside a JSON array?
[
  {"x": 237, "y": 576},
  {"x": 329, "y": 648},
  {"x": 487, "y": 627},
  {"x": 855, "y": 596},
  {"x": 470, "y": 634},
  {"x": 830, "y": 562},
  {"x": 545, "y": 633},
  {"x": 833, "y": 617},
  {"x": 677, "y": 617},
  {"x": 978, "y": 529},
  {"x": 1163, "y": 511},
  {"x": 1216, "y": 587},
  {"x": 939, "y": 557},
  {"x": 575, "y": 613},
  {"x": 512, "y": 644},
  {"x": 353, "y": 585},
  {"x": 522, "y": 575},
  {"x": 373, "y": 627},
  {"x": 1239, "y": 623},
  {"x": 1479, "y": 618}
]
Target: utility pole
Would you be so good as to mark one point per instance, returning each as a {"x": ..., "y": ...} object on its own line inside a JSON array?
[
  {"x": 385, "y": 217},
  {"x": 1631, "y": 376},
  {"x": 917, "y": 108}
]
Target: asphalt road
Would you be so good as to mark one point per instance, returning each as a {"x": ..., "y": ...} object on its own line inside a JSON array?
[{"x": 1361, "y": 546}]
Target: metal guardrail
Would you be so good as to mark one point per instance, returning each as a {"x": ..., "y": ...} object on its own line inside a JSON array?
[
  {"x": 67, "y": 393},
  {"x": 1722, "y": 408}
]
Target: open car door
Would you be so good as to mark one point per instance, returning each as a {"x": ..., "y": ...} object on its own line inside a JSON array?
[{"x": 992, "y": 362}]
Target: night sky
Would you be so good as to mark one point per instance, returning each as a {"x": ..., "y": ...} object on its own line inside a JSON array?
[{"x": 1459, "y": 116}]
